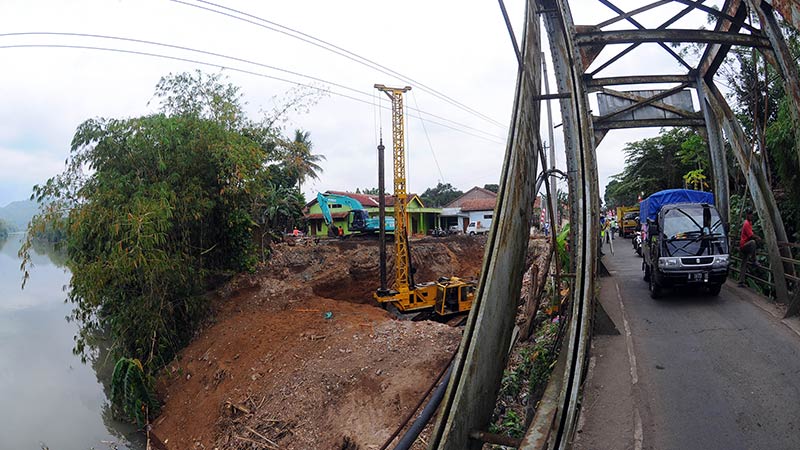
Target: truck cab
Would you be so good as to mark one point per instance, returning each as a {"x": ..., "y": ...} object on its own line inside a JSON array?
[
  {"x": 685, "y": 242},
  {"x": 627, "y": 220},
  {"x": 478, "y": 228}
]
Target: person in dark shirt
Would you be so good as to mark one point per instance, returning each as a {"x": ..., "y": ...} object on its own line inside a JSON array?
[{"x": 747, "y": 244}]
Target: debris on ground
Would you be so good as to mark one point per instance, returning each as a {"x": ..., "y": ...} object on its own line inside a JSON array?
[{"x": 299, "y": 356}]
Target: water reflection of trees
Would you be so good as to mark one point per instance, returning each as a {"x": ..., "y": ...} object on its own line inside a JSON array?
[
  {"x": 54, "y": 252},
  {"x": 101, "y": 361}
]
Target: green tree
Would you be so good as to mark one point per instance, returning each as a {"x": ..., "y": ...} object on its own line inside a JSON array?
[
  {"x": 492, "y": 187},
  {"x": 300, "y": 163},
  {"x": 440, "y": 195},
  {"x": 156, "y": 207},
  {"x": 655, "y": 164}
]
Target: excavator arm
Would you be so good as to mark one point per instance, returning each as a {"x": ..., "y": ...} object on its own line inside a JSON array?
[
  {"x": 326, "y": 211},
  {"x": 359, "y": 218}
]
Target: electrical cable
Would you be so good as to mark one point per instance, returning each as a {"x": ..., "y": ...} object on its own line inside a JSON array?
[
  {"x": 436, "y": 161},
  {"x": 234, "y": 69},
  {"x": 233, "y": 58},
  {"x": 309, "y": 39}
]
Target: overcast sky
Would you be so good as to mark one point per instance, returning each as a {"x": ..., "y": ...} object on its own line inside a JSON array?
[{"x": 459, "y": 48}]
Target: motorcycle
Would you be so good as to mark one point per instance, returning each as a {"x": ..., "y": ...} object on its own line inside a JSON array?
[
  {"x": 438, "y": 232},
  {"x": 637, "y": 242}
]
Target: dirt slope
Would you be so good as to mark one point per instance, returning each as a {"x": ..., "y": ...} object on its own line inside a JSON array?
[{"x": 299, "y": 357}]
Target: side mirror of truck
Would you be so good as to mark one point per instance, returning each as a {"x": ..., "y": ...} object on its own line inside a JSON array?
[{"x": 652, "y": 228}]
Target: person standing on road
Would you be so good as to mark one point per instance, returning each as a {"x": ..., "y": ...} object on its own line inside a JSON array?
[
  {"x": 747, "y": 245},
  {"x": 602, "y": 235},
  {"x": 613, "y": 226}
]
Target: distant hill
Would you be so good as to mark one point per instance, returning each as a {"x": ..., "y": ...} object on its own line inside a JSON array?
[{"x": 18, "y": 214}]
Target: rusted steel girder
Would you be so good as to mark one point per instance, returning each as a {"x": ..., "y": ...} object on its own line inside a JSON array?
[
  {"x": 715, "y": 54},
  {"x": 669, "y": 35},
  {"x": 641, "y": 102},
  {"x": 759, "y": 187},
  {"x": 789, "y": 9},
  {"x": 648, "y": 123},
  {"x": 594, "y": 84},
  {"x": 629, "y": 14},
  {"x": 716, "y": 149},
  {"x": 584, "y": 211},
  {"x": 478, "y": 367}
]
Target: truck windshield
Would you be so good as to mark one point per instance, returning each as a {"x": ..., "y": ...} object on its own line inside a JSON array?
[{"x": 694, "y": 230}]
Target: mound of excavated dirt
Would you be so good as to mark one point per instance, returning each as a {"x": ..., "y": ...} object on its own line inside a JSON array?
[{"x": 299, "y": 356}]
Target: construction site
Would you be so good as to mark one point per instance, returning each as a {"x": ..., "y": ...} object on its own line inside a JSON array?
[
  {"x": 319, "y": 349},
  {"x": 539, "y": 312},
  {"x": 515, "y": 339},
  {"x": 300, "y": 355}
]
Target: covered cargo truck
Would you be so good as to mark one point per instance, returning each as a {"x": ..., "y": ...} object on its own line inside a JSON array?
[
  {"x": 628, "y": 220},
  {"x": 685, "y": 242}
]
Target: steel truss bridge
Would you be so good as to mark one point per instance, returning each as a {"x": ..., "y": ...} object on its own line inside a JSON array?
[{"x": 471, "y": 394}]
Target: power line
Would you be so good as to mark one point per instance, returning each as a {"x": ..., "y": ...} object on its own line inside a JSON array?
[
  {"x": 233, "y": 58},
  {"x": 436, "y": 161},
  {"x": 309, "y": 39},
  {"x": 234, "y": 69}
]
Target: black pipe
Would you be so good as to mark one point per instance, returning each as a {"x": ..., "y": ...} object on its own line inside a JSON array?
[
  {"x": 425, "y": 416},
  {"x": 382, "y": 215}
]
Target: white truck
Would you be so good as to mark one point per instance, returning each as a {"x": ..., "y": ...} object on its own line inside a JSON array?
[{"x": 480, "y": 227}]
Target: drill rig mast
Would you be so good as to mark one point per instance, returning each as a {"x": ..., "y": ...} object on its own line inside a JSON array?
[
  {"x": 448, "y": 295},
  {"x": 404, "y": 282}
]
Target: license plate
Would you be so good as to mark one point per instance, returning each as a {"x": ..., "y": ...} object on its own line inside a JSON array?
[{"x": 695, "y": 277}]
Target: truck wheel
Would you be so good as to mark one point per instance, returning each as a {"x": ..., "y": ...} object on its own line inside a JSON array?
[
  {"x": 714, "y": 289},
  {"x": 472, "y": 233},
  {"x": 655, "y": 288}
]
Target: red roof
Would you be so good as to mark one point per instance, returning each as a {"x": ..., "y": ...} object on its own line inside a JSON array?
[
  {"x": 367, "y": 201},
  {"x": 390, "y": 199},
  {"x": 336, "y": 215},
  {"x": 480, "y": 204},
  {"x": 458, "y": 202}
]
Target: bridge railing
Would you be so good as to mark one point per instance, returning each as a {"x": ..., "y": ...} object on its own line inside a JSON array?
[{"x": 760, "y": 273}]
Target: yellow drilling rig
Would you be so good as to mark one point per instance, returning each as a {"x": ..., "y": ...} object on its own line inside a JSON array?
[{"x": 448, "y": 295}]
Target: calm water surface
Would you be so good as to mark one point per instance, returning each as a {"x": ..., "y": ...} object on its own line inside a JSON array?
[{"x": 49, "y": 397}]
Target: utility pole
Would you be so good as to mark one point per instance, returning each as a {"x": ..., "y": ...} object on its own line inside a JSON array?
[{"x": 553, "y": 192}]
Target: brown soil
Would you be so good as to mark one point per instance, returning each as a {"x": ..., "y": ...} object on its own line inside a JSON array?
[{"x": 275, "y": 369}]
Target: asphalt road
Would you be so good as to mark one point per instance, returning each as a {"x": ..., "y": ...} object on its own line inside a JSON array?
[{"x": 698, "y": 372}]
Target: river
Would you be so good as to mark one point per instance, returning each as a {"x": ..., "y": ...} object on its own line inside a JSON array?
[{"x": 50, "y": 399}]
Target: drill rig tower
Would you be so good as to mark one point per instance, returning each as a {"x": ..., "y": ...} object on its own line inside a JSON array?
[{"x": 448, "y": 295}]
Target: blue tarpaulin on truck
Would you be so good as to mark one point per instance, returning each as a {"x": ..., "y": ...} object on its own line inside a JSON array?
[{"x": 650, "y": 206}]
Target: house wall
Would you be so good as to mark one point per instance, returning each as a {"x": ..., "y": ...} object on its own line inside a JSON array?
[
  {"x": 480, "y": 217},
  {"x": 419, "y": 221},
  {"x": 318, "y": 226}
]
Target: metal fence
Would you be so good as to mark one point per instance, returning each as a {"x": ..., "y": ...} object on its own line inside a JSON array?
[{"x": 760, "y": 273}]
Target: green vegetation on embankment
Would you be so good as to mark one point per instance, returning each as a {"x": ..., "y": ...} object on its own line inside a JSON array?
[{"x": 154, "y": 208}]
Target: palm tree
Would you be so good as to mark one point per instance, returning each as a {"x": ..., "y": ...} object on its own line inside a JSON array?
[{"x": 300, "y": 162}]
